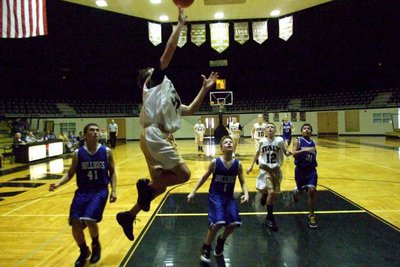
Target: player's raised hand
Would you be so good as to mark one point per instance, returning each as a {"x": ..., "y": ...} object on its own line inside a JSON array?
[
  {"x": 182, "y": 18},
  {"x": 210, "y": 81}
]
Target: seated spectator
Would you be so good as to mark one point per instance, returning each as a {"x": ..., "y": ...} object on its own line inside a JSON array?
[
  {"x": 46, "y": 136},
  {"x": 30, "y": 138},
  {"x": 67, "y": 144},
  {"x": 18, "y": 139},
  {"x": 52, "y": 136}
]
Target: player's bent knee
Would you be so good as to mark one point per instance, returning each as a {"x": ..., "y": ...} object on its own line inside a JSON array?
[{"x": 215, "y": 227}]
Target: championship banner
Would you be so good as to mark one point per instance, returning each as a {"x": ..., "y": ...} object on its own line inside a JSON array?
[
  {"x": 155, "y": 33},
  {"x": 241, "y": 32},
  {"x": 198, "y": 34},
  {"x": 260, "y": 31},
  {"x": 183, "y": 35},
  {"x": 219, "y": 36},
  {"x": 285, "y": 28}
]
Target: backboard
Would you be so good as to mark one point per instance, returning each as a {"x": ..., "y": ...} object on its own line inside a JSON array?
[{"x": 224, "y": 98}]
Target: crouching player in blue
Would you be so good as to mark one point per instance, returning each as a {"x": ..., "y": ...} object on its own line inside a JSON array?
[
  {"x": 305, "y": 174},
  {"x": 93, "y": 164},
  {"x": 223, "y": 208}
]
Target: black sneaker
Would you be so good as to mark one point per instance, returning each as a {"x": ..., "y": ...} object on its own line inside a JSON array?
[
  {"x": 205, "y": 254},
  {"x": 81, "y": 261},
  {"x": 126, "y": 221},
  {"x": 144, "y": 194},
  {"x": 257, "y": 162},
  {"x": 219, "y": 248},
  {"x": 271, "y": 224},
  {"x": 96, "y": 252},
  {"x": 263, "y": 199}
]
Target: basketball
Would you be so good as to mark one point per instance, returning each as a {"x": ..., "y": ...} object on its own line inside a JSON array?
[{"x": 183, "y": 3}]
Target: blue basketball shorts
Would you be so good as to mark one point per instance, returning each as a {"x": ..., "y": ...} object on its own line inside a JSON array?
[
  {"x": 89, "y": 204},
  {"x": 223, "y": 210},
  {"x": 305, "y": 178}
]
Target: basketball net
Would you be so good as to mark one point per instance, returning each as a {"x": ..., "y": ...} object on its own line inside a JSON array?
[{"x": 221, "y": 106}]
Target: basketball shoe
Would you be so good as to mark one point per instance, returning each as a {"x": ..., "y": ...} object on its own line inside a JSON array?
[
  {"x": 96, "y": 252},
  {"x": 205, "y": 253},
  {"x": 125, "y": 219},
  {"x": 311, "y": 221},
  {"x": 271, "y": 224},
  {"x": 85, "y": 254}
]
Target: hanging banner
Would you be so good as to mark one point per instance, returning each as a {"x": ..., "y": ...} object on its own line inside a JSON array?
[
  {"x": 260, "y": 31},
  {"x": 286, "y": 28},
  {"x": 155, "y": 33},
  {"x": 241, "y": 32},
  {"x": 183, "y": 35},
  {"x": 219, "y": 36},
  {"x": 198, "y": 34}
]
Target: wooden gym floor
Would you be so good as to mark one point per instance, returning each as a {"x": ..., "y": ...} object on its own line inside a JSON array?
[{"x": 357, "y": 211}]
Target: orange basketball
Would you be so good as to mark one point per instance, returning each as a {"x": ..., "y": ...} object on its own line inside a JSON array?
[{"x": 183, "y": 3}]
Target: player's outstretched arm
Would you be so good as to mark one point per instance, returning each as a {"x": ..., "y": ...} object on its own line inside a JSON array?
[
  {"x": 210, "y": 170},
  {"x": 172, "y": 41},
  {"x": 71, "y": 172},
  {"x": 208, "y": 83},
  {"x": 254, "y": 161}
]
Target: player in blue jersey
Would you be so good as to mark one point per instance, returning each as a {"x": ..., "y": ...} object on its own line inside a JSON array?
[
  {"x": 223, "y": 209},
  {"x": 93, "y": 164},
  {"x": 287, "y": 129},
  {"x": 306, "y": 177}
]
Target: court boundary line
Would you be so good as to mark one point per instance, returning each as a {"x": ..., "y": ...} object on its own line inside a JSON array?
[{"x": 366, "y": 210}]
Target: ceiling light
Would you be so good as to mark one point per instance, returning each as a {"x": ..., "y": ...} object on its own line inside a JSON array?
[
  {"x": 163, "y": 18},
  {"x": 155, "y": 2},
  {"x": 101, "y": 3},
  {"x": 219, "y": 15},
  {"x": 275, "y": 13}
]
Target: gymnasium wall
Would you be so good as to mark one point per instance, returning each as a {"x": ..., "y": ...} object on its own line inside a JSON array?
[{"x": 366, "y": 123}]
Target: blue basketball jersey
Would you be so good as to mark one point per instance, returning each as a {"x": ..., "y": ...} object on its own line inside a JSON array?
[
  {"x": 223, "y": 180},
  {"x": 286, "y": 128},
  {"x": 92, "y": 170},
  {"x": 306, "y": 160}
]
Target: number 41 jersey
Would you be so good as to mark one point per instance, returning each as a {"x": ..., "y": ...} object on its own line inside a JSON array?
[
  {"x": 92, "y": 169},
  {"x": 271, "y": 152}
]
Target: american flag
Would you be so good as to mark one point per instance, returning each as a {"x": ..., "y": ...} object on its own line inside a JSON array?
[{"x": 23, "y": 18}]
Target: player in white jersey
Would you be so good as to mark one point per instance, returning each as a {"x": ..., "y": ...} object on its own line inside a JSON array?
[
  {"x": 270, "y": 155},
  {"x": 235, "y": 130},
  {"x": 160, "y": 116},
  {"x": 258, "y": 130},
  {"x": 199, "y": 129}
]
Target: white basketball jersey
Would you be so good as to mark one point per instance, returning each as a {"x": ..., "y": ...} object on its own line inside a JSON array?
[
  {"x": 199, "y": 128},
  {"x": 161, "y": 107},
  {"x": 271, "y": 152},
  {"x": 259, "y": 130},
  {"x": 234, "y": 129}
]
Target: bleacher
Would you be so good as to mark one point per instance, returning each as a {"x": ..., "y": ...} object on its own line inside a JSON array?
[{"x": 352, "y": 99}]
